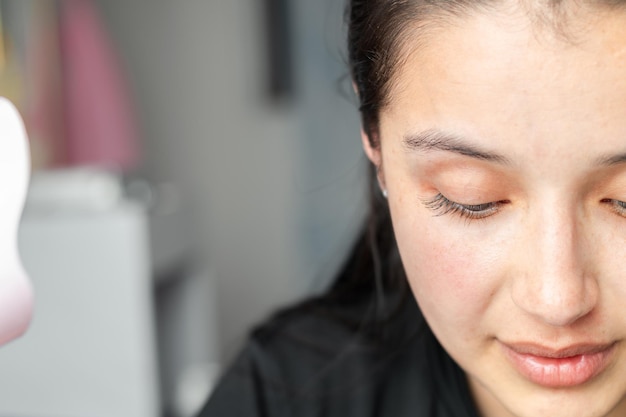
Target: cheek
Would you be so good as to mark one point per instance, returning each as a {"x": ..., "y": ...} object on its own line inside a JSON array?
[
  {"x": 453, "y": 277},
  {"x": 606, "y": 259}
]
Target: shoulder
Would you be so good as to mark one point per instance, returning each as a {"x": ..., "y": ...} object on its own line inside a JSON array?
[
  {"x": 310, "y": 344},
  {"x": 315, "y": 359}
]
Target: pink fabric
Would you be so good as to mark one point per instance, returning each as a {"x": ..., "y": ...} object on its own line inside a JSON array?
[{"x": 100, "y": 126}]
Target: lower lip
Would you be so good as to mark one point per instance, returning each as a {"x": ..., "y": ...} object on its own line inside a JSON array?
[{"x": 559, "y": 372}]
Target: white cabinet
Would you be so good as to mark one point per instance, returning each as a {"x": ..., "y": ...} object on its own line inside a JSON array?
[{"x": 91, "y": 349}]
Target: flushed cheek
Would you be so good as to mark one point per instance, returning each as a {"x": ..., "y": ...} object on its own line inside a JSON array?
[
  {"x": 454, "y": 279},
  {"x": 611, "y": 274}
]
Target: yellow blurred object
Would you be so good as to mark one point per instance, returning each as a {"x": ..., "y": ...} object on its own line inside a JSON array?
[
  {"x": 11, "y": 83},
  {"x": 3, "y": 57},
  {"x": 10, "y": 72}
]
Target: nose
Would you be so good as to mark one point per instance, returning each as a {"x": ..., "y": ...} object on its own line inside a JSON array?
[{"x": 555, "y": 282}]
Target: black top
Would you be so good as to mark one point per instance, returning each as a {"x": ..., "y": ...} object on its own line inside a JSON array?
[{"x": 307, "y": 362}]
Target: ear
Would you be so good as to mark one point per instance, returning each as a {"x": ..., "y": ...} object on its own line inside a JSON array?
[
  {"x": 373, "y": 153},
  {"x": 15, "y": 287},
  {"x": 375, "y": 156}
]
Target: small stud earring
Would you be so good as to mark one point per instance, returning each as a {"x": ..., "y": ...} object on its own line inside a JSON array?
[{"x": 385, "y": 194}]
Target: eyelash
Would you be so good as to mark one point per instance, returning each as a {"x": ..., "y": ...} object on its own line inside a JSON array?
[
  {"x": 442, "y": 206},
  {"x": 618, "y": 206}
]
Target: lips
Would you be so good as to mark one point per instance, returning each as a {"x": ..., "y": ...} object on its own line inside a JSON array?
[{"x": 558, "y": 368}]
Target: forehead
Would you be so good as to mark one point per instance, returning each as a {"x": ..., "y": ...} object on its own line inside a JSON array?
[{"x": 502, "y": 75}]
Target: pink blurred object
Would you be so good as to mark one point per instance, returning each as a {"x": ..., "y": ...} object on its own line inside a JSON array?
[
  {"x": 16, "y": 299},
  {"x": 100, "y": 125}
]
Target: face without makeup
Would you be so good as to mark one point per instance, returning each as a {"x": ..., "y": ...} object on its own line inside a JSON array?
[{"x": 502, "y": 150}]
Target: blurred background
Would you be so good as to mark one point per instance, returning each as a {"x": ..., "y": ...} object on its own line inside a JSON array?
[{"x": 196, "y": 165}]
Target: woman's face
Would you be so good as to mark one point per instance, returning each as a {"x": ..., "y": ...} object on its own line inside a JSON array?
[{"x": 503, "y": 150}]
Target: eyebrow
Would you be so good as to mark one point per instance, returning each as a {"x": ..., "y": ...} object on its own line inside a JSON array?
[{"x": 438, "y": 140}]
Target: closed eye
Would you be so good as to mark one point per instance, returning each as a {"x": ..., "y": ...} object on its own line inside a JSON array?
[
  {"x": 441, "y": 206},
  {"x": 617, "y": 206}
]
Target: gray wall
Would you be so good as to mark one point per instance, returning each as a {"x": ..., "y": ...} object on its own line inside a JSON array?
[{"x": 276, "y": 191}]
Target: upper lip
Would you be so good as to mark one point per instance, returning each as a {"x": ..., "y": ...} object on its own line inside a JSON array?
[{"x": 534, "y": 349}]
